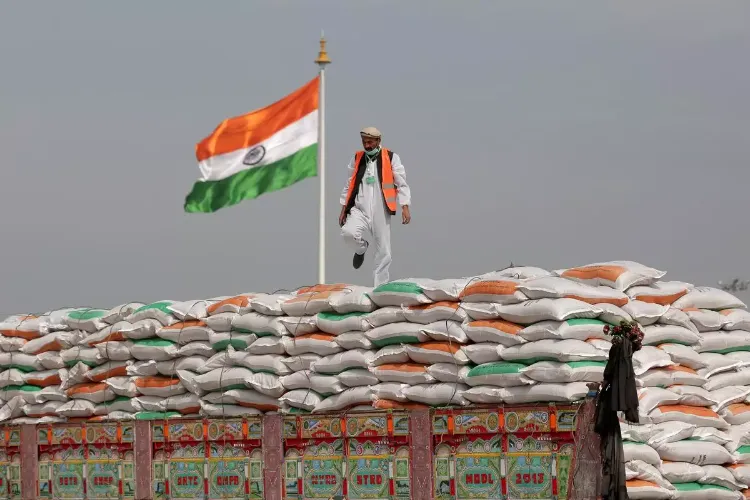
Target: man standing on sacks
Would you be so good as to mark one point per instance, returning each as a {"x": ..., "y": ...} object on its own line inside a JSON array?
[{"x": 375, "y": 188}]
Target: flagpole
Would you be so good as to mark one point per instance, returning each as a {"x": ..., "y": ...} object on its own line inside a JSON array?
[{"x": 322, "y": 61}]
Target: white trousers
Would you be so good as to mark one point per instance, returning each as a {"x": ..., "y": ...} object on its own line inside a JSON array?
[{"x": 361, "y": 230}]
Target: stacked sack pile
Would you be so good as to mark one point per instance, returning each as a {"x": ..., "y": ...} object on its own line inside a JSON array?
[
  {"x": 694, "y": 404},
  {"x": 520, "y": 335}
]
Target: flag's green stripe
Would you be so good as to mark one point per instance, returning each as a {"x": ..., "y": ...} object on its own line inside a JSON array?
[{"x": 210, "y": 196}]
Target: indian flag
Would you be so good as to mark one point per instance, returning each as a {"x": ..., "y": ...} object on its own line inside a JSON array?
[{"x": 259, "y": 152}]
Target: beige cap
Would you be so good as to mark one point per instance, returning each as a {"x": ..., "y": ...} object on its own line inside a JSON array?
[{"x": 370, "y": 132}]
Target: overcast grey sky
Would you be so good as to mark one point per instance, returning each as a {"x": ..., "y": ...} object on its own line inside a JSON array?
[{"x": 544, "y": 133}]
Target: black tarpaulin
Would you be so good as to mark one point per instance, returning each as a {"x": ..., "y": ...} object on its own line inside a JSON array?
[{"x": 618, "y": 393}]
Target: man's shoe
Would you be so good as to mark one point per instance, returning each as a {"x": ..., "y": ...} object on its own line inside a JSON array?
[{"x": 358, "y": 260}]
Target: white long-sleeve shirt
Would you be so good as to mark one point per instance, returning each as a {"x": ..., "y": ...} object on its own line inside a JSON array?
[{"x": 366, "y": 194}]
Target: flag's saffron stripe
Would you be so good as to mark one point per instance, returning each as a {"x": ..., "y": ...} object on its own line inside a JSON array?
[
  {"x": 210, "y": 196},
  {"x": 252, "y": 128}
]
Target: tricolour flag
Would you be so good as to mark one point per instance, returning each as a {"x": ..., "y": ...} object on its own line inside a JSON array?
[{"x": 262, "y": 151}]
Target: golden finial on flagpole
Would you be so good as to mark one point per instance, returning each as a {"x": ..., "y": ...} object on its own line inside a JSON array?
[{"x": 323, "y": 58}]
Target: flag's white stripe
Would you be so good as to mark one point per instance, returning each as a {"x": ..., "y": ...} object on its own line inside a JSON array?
[{"x": 285, "y": 142}]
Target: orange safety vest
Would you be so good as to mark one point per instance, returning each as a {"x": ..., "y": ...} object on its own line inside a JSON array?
[{"x": 385, "y": 174}]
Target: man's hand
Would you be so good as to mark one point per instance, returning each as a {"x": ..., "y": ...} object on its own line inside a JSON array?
[
  {"x": 342, "y": 217},
  {"x": 405, "y": 214}
]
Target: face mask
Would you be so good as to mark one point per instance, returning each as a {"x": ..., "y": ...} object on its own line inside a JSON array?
[{"x": 373, "y": 152}]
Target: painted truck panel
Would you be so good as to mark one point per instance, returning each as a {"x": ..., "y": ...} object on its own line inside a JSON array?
[{"x": 524, "y": 452}]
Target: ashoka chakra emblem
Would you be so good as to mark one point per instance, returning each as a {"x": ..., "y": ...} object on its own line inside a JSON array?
[{"x": 254, "y": 156}]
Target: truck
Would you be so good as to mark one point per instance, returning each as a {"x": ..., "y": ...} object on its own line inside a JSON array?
[{"x": 539, "y": 451}]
